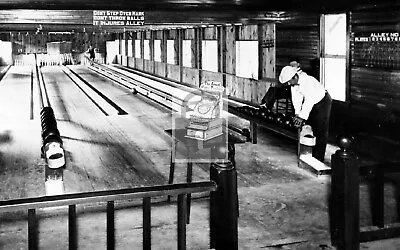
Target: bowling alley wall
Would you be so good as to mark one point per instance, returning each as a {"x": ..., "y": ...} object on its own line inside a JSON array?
[
  {"x": 371, "y": 111},
  {"x": 24, "y": 44}
]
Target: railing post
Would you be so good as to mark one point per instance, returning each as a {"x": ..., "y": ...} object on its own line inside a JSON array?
[
  {"x": 344, "y": 198},
  {"x": 147, "y": 223},
  {"x": 224, "y": 206},
  {"x": 110, "y": 226},
  {"x": 33, "y": 241},
  {"x": 72, "y": 228}
]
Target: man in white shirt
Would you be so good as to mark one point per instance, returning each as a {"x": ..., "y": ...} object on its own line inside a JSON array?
[{"x": 312, "y": 103}]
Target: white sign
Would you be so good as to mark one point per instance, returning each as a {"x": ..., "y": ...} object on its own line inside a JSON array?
[
  {"x": 118, "y": 18},
  {"x": 378, "y": 37},
  {"x": 212, "y": 86}
]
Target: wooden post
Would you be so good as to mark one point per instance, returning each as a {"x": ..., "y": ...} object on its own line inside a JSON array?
[
  {"x": 33, "y": 241},
  {"x": 72, "y": 228},
  {"x": 224, "y": 206},
  {"x": 344, "y": 199}
]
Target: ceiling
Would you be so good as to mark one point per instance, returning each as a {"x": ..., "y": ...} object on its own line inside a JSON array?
[
  {"x": 67, "y": 15},
  {"x": 183, "y": 5}
]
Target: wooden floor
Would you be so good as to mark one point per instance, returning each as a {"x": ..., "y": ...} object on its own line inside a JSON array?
[{"x": 279, "y": 202}]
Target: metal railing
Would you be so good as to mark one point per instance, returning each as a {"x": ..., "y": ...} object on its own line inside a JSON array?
[{"x": 109, "y": 197}]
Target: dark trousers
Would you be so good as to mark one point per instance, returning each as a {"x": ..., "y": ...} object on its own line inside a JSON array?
[
  {"x": 319, "y": 121},
  {"x": 275, "y": 93}
]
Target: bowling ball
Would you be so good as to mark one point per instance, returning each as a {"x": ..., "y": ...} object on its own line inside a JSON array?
[
  {"x": 256, "y": 112},
  {"x": 271, "y": 117},
  {"x": 287, "y": 122},
  {"x": 279, "y": 119},
  {"x": 252, "y": 111},
  {"x": 263, "y": 113}
]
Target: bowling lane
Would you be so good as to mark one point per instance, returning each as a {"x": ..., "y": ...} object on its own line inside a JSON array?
[
  {"x": 21, "y": 168},
  {"x": 133, "y": 104},
  {"x": 108, "y": 152},
  {"x": 15, "y": 91}
]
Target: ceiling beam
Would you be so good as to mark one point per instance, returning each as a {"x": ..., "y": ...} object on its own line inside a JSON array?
[{"x": 189, "y": 5}]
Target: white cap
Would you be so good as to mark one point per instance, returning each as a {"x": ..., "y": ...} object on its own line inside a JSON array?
[{"x": 287, "y": 73}]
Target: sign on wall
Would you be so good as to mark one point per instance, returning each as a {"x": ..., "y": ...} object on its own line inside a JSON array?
[
  {"x": 376, "y": 50},
  {"x": 117, "y": 18}
]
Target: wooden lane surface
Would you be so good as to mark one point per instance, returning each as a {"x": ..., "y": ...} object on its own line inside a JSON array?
[
  {"x": 21, "y": 168},
  {"x": 109, "y": 152},
  {"x": 133, "y": 104}
]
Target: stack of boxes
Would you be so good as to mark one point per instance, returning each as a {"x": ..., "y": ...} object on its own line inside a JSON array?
[{"x": 206, "y": 123}]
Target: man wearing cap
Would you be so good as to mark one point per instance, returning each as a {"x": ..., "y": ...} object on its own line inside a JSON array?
[
  {"x": 278, "y": 91},
  {"x": 312, "y": 103}
]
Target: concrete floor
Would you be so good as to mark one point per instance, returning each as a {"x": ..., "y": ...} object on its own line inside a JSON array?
[{"x": 281, "y": 205}]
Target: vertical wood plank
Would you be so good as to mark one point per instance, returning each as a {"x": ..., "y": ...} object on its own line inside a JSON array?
[
  {"x": 32, "y": 230},
  {"x": 230, "y": 50},
  {"x": 147, "y": 223},
  {"x": 72, "y": 230},
  {"x": 182, "y": 222},
  {"x": 110, "y": 226}
]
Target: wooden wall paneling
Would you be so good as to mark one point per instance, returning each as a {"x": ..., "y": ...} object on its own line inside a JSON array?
[
  {"x": 41, "y": 42},
  {"x": 210, "y": 33},
  {"x": 247, "y": 88},
  {"x": 131, "y": 62},
  {"x": 221, "y": 53},
  {"x": 160, "y": 69},
  {"x": 256, "y": 87},
  {"x": 159, "y": 34},
  {"x": 139, "y": 34},
  {"x": 86, "y": 42},
  {"x": 124, "y": 60},
  {"x": 267, "y": 50},
  {"x": 126, "y": 38},
  {"x": 381, "y": 87},
  {"x": 262, "y": 87},
  {"x": 142, "y": 37},
  {"x": 147, "y": 34},
  {"x": 139, "y": 64},
  {"x": 173, "y": 72},
  {"x": 172, "y": 34},
  {"x": 211, "y": 76},
  {"x": 180, "y": 53},
  {"x": 230, "y": 50},
  {"x": 134, "y": 37},
  {"x": 148, "y": 66},
  {"x": 190, "y": 76},
  {"x": 374, "y": 16},
  {"x": 230, "y": 89},
  {"x": 176, "y": 47},
  {"x": 152, "y": 35},
  {"x": 5, "y": 36},
  {"x": 26, "y": 43},
  {"x": 199, "y": 51},
  {"x": 247, "y": 33},
  {"x": 298, "y": 37},
  {"x": 193, "y": 49},
  {"x": 189, "y": 34},
  {"x": 164, "y": 50},
  {"x": 236, "y": 86},
  {"x": 375, "y": 72}
]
